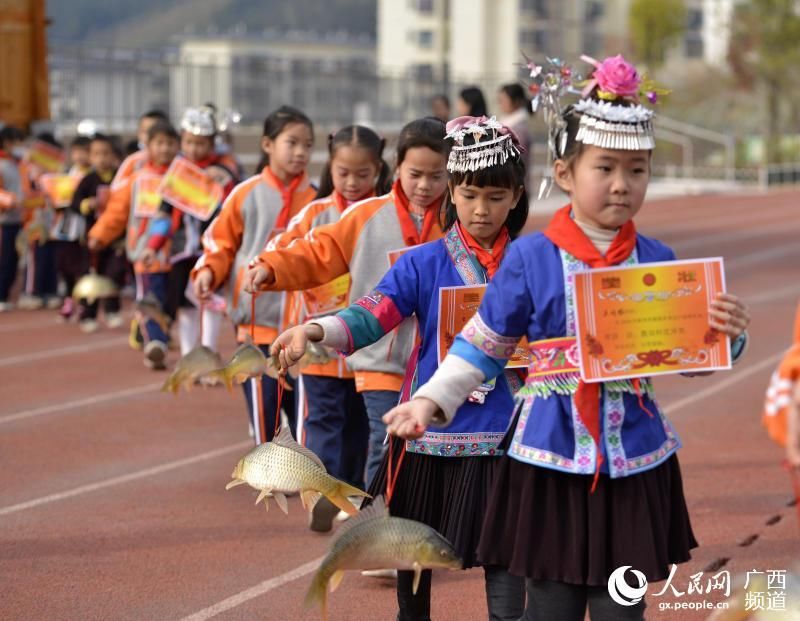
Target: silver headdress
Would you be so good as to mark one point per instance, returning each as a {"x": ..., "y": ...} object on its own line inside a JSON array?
[
  {"x": 613, "y": 120},
  {"x": 199, "y": 121},
  {"x": 492, "y": 144}
]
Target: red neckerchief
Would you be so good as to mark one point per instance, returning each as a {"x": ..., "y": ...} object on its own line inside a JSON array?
[
  {"x": 158, "y": 170},
  {"x": 342, "y": 203},
  {"x": 287, "y": 193},
  {"x": 565, "y": 233},
  {"x": 5, "y": 155},
  {"x": 411, "y": 236},
  {"x": 489, "y": 260},
  {"x": 207, "y": 161}
]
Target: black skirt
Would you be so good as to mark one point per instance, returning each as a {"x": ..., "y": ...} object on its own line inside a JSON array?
[
  {"x": 546, "y": 525},
  {"x": 449, "y": 494}
]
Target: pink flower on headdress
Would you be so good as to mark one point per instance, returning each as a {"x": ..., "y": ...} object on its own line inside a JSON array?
[
  {"x": 615, "y": 76},
  {"x": 462, "y": 121}
]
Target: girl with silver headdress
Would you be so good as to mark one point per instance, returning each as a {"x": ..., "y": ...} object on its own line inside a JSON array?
[{"x": 590, "y": 481}]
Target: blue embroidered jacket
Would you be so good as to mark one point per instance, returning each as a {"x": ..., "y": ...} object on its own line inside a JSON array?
[
  {"x": 532, "y": 294},
  {"x": 411, "y": 287}
]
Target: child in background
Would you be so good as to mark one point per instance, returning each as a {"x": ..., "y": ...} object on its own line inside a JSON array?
[
  {"x": 590, "y": 481},
  {"x": 41, "y": 271},
  {"x": 11, "y": 209},
  {"x": 335, "y": 425},
  {"x": 138, "y": 158},
  {"x": 198, "y": 128},
  {"x": 68, "y": 234},
  {"x": 360, "y": 243},
  {"x": 120, "y": 217},
  {"x": 88, "y": 202},
  {"x": 257, "y": 210},
  {"x": 445, "y": 478}
]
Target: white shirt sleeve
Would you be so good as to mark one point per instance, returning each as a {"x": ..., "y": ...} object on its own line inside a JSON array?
[
  {"x": 450, "y": 386},
  {"x": 334, "y": 333}
]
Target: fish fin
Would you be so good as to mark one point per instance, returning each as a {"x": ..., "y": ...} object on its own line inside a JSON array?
[
  {"x": 221, "y": 375},
  {"x": 285, "y": 439},
  {"x": 377, "y": 510},
  {"x": 309, "y": 498},
  {"x": 339, "y": 497},
  {"x": 248, "y": 340},
  {"x": 282, "y": 502},
  {"x": 318, "y": 592},
  {"x": 266, "y": 505},
  {"x": 262, "y": 495},
  {"x": 169, "y": 385},
  {"x": 417, "y": 575},
  {"x": 234, "y": 483},
  {"x": 336, "y": 580}
]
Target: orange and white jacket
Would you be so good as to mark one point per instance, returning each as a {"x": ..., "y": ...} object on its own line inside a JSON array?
[
  {"x": 317, "y": 213},
  {"x": 118, "y": 218},
  {"x": 360, "y": 243},
  {"x": 131, "y": 164},
  {"x": 255, "y": 211}
]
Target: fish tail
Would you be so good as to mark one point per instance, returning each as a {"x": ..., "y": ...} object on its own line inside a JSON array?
[
  {"x": 170, "y": 385},
  {"x": 338, "y": 496},
  {"x": 318, "y": 593},
  {"x": 222, "y": 375}
]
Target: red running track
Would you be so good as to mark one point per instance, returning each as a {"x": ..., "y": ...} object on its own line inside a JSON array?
[{"x": 112, "y": 500}]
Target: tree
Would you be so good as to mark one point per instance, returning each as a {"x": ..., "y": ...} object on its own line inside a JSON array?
[
  {"x": 765, "y": 59},
  {"x": 655, "y": 25}
]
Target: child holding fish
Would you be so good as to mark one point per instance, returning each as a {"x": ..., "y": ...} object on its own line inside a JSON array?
[
  {"x": 257, "y": 210},
  {"x": 131, "y": 203},
  {"x": 445, "y": 478},
  {"x": 87, "y": 203},
  {"x": 590, "y": 481},
  {"x": 363, "y": 243},
  {"x": 335, "y": 425},
  {"x": 198, "y": 131}
]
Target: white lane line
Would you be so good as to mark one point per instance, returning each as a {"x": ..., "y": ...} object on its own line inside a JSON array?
[
  {"x": 255, "y": 591},
  {"x": 273, "y": 583},
  {"x": 71, "y": 405},
  {"x": 62, "y": 351},
  {"x": 125, "y": 478},
  {"x": 733, "y": 379}
]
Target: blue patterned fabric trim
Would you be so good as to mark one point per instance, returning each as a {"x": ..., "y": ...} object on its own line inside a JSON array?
[
  {"x": 466, "y": 265},
  {"x": 457, "y": 444}
]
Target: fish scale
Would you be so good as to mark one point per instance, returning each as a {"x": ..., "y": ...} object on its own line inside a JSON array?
[{"x": 270, "y": 466}]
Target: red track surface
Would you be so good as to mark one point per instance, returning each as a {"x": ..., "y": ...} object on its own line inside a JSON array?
[{"x": 112, "y": 500}]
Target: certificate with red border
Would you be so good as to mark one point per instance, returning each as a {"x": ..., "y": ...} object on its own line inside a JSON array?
[
  {"x": 457, "y": 305},
  {"x": 649, "y": 319},
  {"x": 189, "y": 188}
]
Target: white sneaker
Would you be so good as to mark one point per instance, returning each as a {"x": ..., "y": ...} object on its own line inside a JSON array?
[
  {"x": 390, "y": 574},
  {"x": 53, "y": 303},
  {"x": 89, "y": 325},
  {"x": 30, "y": 302},
  {"x": 155, "y": 353},
  {"x": 6, "y": 307},
  {"x": 114, "y": 320},
  {"x": 343, "y": 516}
]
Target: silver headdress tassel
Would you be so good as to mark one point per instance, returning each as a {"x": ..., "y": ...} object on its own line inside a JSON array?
[{"x": 492, "y": 144}]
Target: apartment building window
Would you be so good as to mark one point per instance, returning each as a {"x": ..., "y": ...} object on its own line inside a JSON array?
[
  {"x": 422, "y": 72},
  {"x": 425, "y": 38},
  {"x": 532, "y": 41},
  {"x": 694, "y": 47},
  {"x": 422, "y": 6},
  {"x": 594, "y": 10},
  {"x": 694, "y": 19},
  {"x": 538, "y": 8}
]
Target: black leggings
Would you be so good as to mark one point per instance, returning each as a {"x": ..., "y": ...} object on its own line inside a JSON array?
[
  {"x": 505, "y": 595},
  {"x": 558, "y": 601}
]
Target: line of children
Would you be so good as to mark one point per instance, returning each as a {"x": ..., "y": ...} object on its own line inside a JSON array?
[
  {"x": 446, "y": 478},
  {"x": 336, "y": 426},
  {"x": 127, "y": 212},
  {"x": 257, "y": 210},
  {"x": 360, "y": 243},
  {"x": 198, "y": 130},
  {"x": 590, "y": 481},
  {"x": 88, "y": 203}
]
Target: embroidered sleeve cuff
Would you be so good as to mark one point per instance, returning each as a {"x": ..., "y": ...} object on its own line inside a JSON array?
[
  {"x": 450, "y": 386},
  {"x": 335, "y": 334},
  {"x": 739, "y": 346}
]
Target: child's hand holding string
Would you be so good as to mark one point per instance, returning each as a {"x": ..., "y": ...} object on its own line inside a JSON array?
[
  {"x": 202, "y": 284},
  {"x": 290, "y": 346},
  {"x": 729, "y": 315},
  {"x": 257, "y": 275},
  {"x": 410, "y": 419}
]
